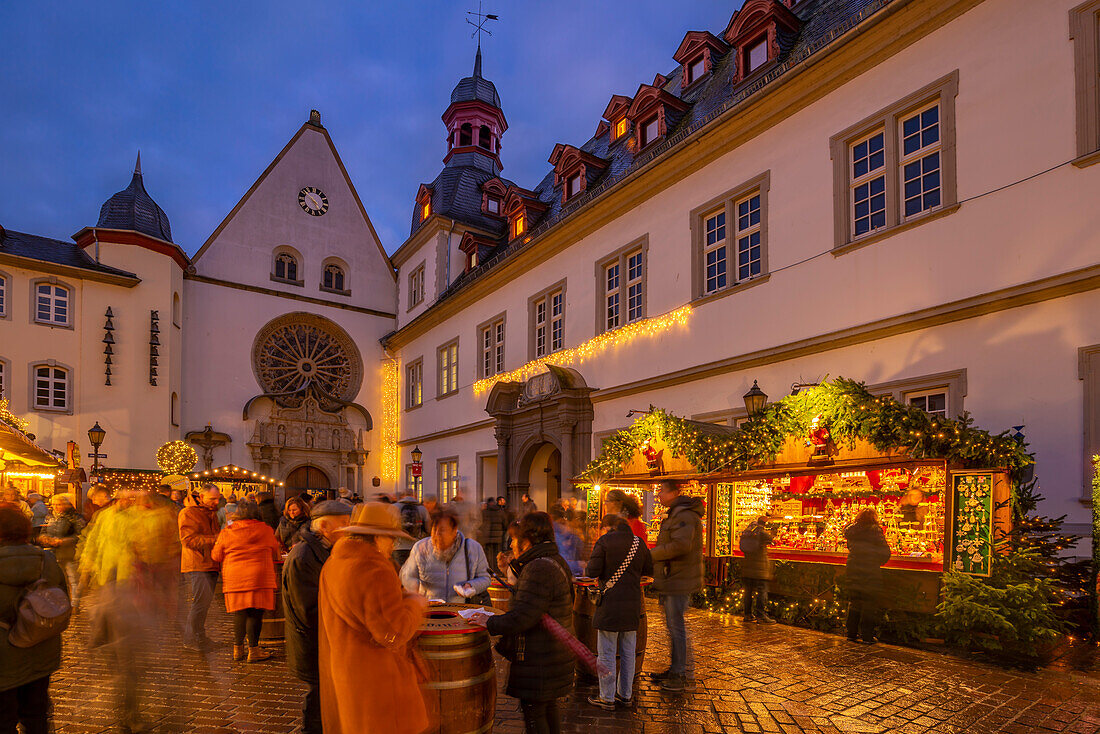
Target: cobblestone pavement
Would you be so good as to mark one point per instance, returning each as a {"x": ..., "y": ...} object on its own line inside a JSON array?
[{"x": 751, "y": 678}]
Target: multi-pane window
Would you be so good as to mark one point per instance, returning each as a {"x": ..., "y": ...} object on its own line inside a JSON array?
[
  {"x": 286, "y": 266},
  {"x": 714, "y": 251},
  {"x": 749, "y": 258},
  {"x": 448, "y": 480},
  {"x": 448, "y": 368},
  {"x": 623, "y": 281},
  {"x": 51, "y": 304},
  {"x": 932, "y": 402},
  {"x": 414, "y": 384},
  {"x": 757, "y": 55},
  {"x": 3, "y": 296},
  {"x": 635, "y": 287},
  {"x": 414, "y": 482},
  {"x": 416, "y": 285},
  {"x": 492, "y": 348},
  {"x": 868, "y": 185},
  {"x": 920, "y": 161},
  {"x": 519, "y": 225},
  {"x": 333, "y": 278},
  {"x": 51, "y": 388},
  {"x": 612, "y": 296},
  {"x": 649, "y": 132},
  {"x": 549, "y": 317},
  {"x": 620, "y": 128}
]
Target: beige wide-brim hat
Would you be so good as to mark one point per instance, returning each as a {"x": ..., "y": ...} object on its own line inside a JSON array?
[{"x": 375, "y": 518}]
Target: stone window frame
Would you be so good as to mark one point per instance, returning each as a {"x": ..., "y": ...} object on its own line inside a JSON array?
[
  {"x": 727, "y": 201},
  {"x": 69, "y": 303},
  {"x": 5, "y": 379},
  {"x": 620, "y": 257},
  {"x": 454, "y": 367},
  {"x": 32, "y": 385},
  {"x": 299, "y": 266},
  {"x": 491, "y": 323},
  {"x": 1088, "y": 371},
  {"x": 440, "y": 482},
  {"x": 953, "y": 381},
  {"x": 418, "y": 292},
  {"x": 944, "y": 91},
  {"x": 1084, "y": 26},
  {"x": 333, "y": 261},
  {"x": 479, "y": 459},
  {"x": 730, "y": 417},
  {"x": 418, "y": 364},
  {"x": 532, "y": 302},
  {"x": 5, "y": 295}
]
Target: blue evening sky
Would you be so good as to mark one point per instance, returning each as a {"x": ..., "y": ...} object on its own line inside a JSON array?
[{"x": 210, "y": 92}]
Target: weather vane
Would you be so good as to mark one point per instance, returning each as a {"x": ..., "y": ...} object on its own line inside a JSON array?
[{"x": 482, "y": 19}]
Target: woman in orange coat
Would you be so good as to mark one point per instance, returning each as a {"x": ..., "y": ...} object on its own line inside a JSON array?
[
  {"x": 247, "y": 550},
  {"x": 369, "y": 683}
]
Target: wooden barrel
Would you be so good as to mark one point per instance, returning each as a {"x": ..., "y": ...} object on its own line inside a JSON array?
[
  {"x": 583, "y": 609},
  {"x": 273, "y": 630},
  {"x": 500, "y": 595},
  {"x": 461, "y": 690}
]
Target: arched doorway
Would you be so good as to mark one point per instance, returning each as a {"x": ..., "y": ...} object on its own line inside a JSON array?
[
  {"x": 307, "y": 479},
  {"x": 543, "y": 474}
]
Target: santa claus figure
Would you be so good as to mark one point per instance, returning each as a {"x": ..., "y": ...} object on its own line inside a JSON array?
[{"x": 818, "y": 437}]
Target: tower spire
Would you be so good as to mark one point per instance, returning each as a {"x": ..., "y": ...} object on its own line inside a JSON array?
[
  {"x": 137, "y": 166},
  {"x": 477, "y": 61}
]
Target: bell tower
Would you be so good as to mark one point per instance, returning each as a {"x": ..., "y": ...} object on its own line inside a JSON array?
[{"x": 475, "y": 123}]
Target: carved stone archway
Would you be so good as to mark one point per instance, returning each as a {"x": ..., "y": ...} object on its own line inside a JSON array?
[{"x": 550, "y": 408}]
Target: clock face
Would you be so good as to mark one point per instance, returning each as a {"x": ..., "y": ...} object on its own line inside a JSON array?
[{"x": 313, "y": 201}]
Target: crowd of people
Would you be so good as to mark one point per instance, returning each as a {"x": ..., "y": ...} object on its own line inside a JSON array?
[{"x": 355, "y": 580}]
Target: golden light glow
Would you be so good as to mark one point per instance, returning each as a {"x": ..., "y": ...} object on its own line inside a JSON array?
[
  {"x": 639, "y": 329},
  {"x": 426, "y": 210},
  {"x": 29, "y": 475},
  {"x": 519, "y": 226},
  {"x": 391, "y": 408},
  {"x": 620, "y": 128},
  {"x": 176, "y": 457},
  {"x": 6, "y": 416}
]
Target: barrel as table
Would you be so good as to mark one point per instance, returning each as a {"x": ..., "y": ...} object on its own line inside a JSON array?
[
  {"x": 273, "y": 631},
  {"x": 501, "y": 595},
  {"x": 461, "y": 690}
]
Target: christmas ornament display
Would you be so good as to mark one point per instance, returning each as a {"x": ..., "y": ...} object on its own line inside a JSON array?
[{"x": 176, "y": 457}]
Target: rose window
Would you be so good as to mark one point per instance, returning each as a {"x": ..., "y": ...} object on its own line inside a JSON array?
[{"x": 299, "y": 354}]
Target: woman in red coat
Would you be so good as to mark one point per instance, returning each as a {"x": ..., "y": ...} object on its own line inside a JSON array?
[{"x": 247, "y": 550}]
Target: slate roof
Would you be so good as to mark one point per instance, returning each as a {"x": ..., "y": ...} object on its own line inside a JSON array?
[
  {"x": 476, "y": 87},
  {"x": 59, "y": 252},
  {"x": 822, "y": 22},
  {"x": 456, "y": 194},
  {"x": 133, "y": 208}
]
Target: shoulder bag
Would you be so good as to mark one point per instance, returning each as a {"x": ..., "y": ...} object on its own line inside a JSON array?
[{"x": 596, "y": 594}]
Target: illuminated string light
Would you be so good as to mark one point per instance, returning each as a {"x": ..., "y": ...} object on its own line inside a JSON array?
[
  {"x": 6, "y": 416},
  {"x": 176, "y": 457},
  {"x": 602, "y": 342},
  {"x": 391, "y": 409}
]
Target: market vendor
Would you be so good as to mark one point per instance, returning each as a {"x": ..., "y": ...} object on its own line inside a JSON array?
[{"x": 912, "y": 509}]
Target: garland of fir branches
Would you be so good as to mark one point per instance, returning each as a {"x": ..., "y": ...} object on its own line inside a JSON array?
[{"x": 850, "y": 412}]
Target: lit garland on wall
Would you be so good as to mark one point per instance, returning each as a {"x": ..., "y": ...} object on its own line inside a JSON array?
[
  {"x": 391, "y": 409},
  {"x": 589, "y": 349},
  {"x": 11, "y": 419},
  {"x": 176, "y": 457}
]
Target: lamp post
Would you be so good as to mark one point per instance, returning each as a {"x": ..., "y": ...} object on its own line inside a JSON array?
[
  {"x": 96, "y": 435},
  {"x": 755, "y": 400},
  {"x": 417, "y": 471}
]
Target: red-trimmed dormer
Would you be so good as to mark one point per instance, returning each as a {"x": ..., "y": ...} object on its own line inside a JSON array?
[
  {"x": 424, "y": 202},
  {"x": 475, "y": 121},
  {"x": 615, "y": 114},
  {"x": 756, "y": 32},
  {"x": 653, "y": 113},
  {"x": 574, "y": 169},
  {"x": 476, "y": 249},
  {"x": 697, "y": 54},
  {"x": 493, "y": 192},
  {"x": 521, "y": 207}
]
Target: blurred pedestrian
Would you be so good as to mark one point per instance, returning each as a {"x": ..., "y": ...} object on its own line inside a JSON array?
[
  {"x": 177, "y": 499},
  {"x": 867, "y": 552},
  {"x": 12, "y": 496},
  {"x": 618, "y": 502},
  {"x": 469, "y": 515},
  {"x": 448, "y": 565},
  {"x": 569, "y": 543},
  {"x": 295, "y": 517},
  {"x": 198, "y": 529},
  {"x": 619, "y": 560},
  {"x": 415, "y": 522},
  {"x": 300, "y": 582},
  {"x": 61, "y": 534},
  {"x": 227, "y": 513},
  {"x": 369, "y": 682},
  {"x": 494, "y": 531},
  {"x": 678, "y": 573},
  {"x": 542, "y": 667},
  {"x": 269, "y": 513},
  {"x": 527, "y": 505},
  {"x": 247, "y": 551},
  {"x": 39, "y": 511},
  {"x": 756, "y": 570},
  {"x": 98, "y": 498},
  {"x": 24, "y": 671}
]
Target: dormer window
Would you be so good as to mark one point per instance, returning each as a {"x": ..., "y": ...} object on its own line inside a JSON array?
[
  {"x": 650, "y": 132},
  {"x": 471, "y": 260},
  {"x": 621, "y": 128},
  {"x": 573, "y": 187},
  {"x": 654, "y": 113},
  {"x": 425, "y": 210},
  {"x": 758, "y": 31},
  {"x": 519, "y": 225},
  {"x": 757, "y": 55},
  {"x": 492, "y": 205},
  {"x": 493, "y": 192},
  {"x": 697, "y": 55},
  {"x": 574, "y": 168},
  {"x": 696, "y": 70}
]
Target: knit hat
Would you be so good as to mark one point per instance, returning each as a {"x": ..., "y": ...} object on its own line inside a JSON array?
[{"x": 329, "y": 507}]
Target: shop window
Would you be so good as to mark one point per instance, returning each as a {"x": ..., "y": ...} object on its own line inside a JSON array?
[
  {"x": 897, "y": 167},
  {"x": 485, "y": 138},
  {"x": 547, "y": 312},
  {"x": 466, "y": 134},
  {"x": 932, "y": 402},
  {"x": 1084, "y": 23},
  {"x": 649, "y": 132},
  {"x": 414, "y": 384},
  {"x": 448, "y": 369},
  {"x": 414, "y": 482},
  {"x": 491, "y": 343},
  {"x": 621, "y": 279},
  {"x": 285, "y": 268},
  {"x": 730, "y": 238},
  {"x": 416, "y": 285},
  {"x": 448, "y": 479},
  {"x": 51, "y": 387},
  {"x": 52, "y": 304},
  {"x": 332, "y": 278}
]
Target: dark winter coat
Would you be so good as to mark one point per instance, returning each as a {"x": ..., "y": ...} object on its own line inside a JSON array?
[
  {"x": 755, "y": 564},
  {"x": 288, "y": 530},
  {"x": 678, "y": 553},
  {"x": 622, "y": 605},
  {"x": 867, "y": 551},
  {"x": 301, "y": 579},
  {"x": 543, "y": 668},
  {"x": 62, "y": 533},
  {"x": 21, "y": 565},
  {"x": 268, "y": 512},
  {"x": 494, "y": 524}
]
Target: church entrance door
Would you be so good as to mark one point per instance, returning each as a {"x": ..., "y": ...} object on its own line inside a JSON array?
[{"x": 307, "y": 479}]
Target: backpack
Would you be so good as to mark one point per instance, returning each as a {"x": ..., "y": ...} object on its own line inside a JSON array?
[
  {"x": 41, "y": 612},
  {"x": 411, "y": 521},
  {"x": 750, "y": 541}
]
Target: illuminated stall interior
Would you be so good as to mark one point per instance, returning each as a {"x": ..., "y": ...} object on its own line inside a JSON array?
[{"x": 232, "y": 479}]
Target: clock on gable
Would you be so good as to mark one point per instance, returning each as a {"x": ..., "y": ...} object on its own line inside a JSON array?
[{"x": 313, "y": 201}]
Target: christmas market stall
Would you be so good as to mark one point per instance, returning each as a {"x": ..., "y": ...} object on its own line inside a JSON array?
[
  {"x": 232, "y": 479},
  {"x": 810, "y": 464},
  {"x": 23, "y": 463}
]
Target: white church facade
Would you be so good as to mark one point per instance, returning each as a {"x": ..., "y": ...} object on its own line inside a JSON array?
[{"x": 874, "y": 190}]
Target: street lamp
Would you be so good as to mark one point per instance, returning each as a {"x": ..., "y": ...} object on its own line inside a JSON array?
[
  {"x": 417, "y": 455},
  {"x": 755, "y": 400},
  {"x": 96, "y": 435}
]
